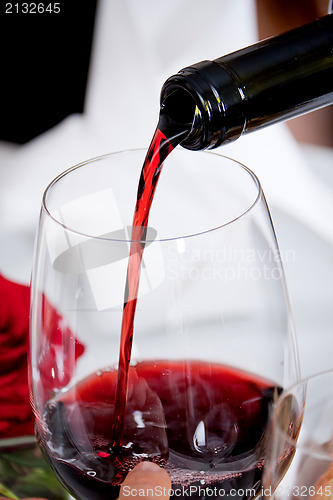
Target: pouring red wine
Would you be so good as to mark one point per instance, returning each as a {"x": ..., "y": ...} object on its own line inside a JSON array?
[
  {"x": 206, "y": 423},
  {"x": 142, "y": 412}
]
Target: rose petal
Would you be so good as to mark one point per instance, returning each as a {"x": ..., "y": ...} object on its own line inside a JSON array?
[{"x": 16, "y": 417}]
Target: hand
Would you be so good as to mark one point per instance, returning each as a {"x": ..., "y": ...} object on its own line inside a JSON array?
[{"x": 146, "y": 480}]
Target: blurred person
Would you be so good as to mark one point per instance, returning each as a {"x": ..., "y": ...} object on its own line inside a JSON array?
[{"x": 278, "y": 16}]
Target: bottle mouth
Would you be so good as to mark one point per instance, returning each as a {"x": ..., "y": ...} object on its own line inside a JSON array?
[
  {"x": 179, "y": 105},
  {"x": 210, "y": 94},
  {"x": 192, "y": 94},
  {"x": 185, "y": 102},
  {"x": 181, "y": 109}
]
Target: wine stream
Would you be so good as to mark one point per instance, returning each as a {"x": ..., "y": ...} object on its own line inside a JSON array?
[
  {"x": 92, "y": 456},
  {"x": 167, "y": 136}
]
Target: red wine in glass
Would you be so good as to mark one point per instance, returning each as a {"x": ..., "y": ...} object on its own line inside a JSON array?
[{"x": 205, "y": 423}]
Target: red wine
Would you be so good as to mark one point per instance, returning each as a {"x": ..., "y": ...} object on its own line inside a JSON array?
[
  {"x": 205, "y": 423},
  {"x": 169, "y": 133}
]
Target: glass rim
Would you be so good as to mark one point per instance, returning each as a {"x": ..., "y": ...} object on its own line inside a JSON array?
[
  {"x": 321, "y": 455},
  {"x": 147, "y": 240}
]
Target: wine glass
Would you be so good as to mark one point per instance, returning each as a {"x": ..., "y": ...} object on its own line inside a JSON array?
[
  {"x": 213, "y": 341},
  {"x": 299, "y": 461}
]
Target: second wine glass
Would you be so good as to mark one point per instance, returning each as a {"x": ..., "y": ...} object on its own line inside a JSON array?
[{"x": 213, "y": 342}]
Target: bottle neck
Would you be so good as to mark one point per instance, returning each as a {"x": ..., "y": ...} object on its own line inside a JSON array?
[
  {"x": 217, "y": 116},
  {"x": 268, "y": 82}
]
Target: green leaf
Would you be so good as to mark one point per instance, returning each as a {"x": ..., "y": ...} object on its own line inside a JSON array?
[
  {"x": 8, "y": 473},
  {"x": 5, "y": 491},
  {"x": 35, "y": 483},
  {"x": 24, "y": 458},
  {"x": 28, "y": 476}
]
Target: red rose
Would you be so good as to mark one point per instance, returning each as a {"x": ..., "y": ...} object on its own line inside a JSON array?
[
  {"x": 15, "y": 412},
  {"x": 16, "y": 417}
]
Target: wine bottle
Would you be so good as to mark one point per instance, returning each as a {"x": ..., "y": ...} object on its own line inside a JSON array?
[{"x": 271, "y": 81}]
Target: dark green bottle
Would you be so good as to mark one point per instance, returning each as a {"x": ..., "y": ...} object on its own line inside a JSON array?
[{"x": 273, "y": 80}]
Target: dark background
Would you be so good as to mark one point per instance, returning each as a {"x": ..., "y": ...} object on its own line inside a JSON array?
[{"x": 44, "y": 62}]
